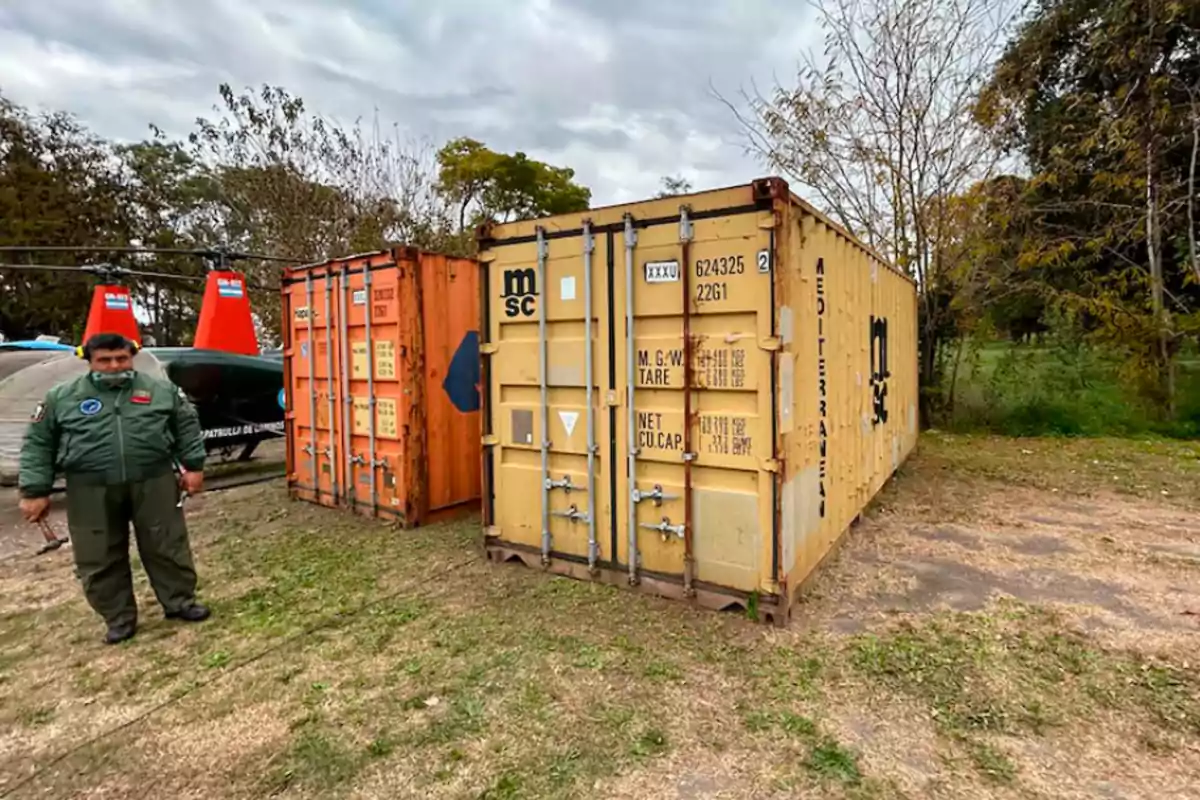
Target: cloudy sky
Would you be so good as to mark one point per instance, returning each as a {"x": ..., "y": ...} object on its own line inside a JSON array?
[{"x": 616, "y": 89}]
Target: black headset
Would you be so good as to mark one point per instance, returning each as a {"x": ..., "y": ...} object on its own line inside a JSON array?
[{"x": 83, "y": 352}]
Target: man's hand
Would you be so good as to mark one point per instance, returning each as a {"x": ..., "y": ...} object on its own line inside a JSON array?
[
  {"x": 191, "y": 482},
  {"x": 34, "y": 508}
]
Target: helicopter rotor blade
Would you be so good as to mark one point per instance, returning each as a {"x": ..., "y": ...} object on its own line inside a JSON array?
[
  {"x": 48, "y": 267},
  {"x": 102, "y": 271},
  {"x": 121, "y": 272},
  {"x": 200, "y": 252}
]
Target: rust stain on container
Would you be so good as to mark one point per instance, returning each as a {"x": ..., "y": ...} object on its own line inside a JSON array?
[
  {"x": 752, "y": 380},
  {"x": 381, "y": 365}
]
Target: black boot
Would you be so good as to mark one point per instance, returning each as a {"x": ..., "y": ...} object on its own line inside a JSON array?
[
  {"x": 192, "y": 612},
  {"x": 120, "y": 632}
]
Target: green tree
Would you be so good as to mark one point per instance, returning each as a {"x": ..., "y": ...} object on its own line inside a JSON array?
[
  {"x": 59, "y": 185},
  {"x": 483, "y": 184},
  {"x": 291, "y": 183},
  {"x": 171, "y": 203},
  {"x": 877, "y": 128},
  {"x": 1099, "y": 98}
]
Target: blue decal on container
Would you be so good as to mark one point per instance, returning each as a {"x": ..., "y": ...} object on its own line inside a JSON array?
[
  {"x": 282, "y": 399},
  {"x": 462, "y": 378}
]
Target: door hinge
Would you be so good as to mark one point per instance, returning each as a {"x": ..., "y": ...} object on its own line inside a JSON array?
[
  {"x": 772, "y": 344},
  {"x": 488, "y": 348}
]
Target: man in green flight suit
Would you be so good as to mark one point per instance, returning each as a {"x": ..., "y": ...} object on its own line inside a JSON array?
[{"x": 116, "y": 434}]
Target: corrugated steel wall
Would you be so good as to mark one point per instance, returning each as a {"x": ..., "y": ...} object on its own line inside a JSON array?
[
  {"x": 763, "y": 361},
  {"x": 381, "y": 358},
  {"x": 850, "y": 354}
]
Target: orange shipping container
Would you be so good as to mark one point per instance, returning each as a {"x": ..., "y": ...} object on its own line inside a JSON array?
[{"x": 381, "y": 365}]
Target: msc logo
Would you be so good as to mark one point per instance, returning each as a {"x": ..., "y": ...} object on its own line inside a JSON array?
[{"x": 520, "y": 289}]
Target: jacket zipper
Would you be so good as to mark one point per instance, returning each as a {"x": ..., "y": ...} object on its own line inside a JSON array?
[{"x": 120, "y": 436}]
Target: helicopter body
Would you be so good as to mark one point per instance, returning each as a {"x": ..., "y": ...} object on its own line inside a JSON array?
[{"x": 237, "y": 392}]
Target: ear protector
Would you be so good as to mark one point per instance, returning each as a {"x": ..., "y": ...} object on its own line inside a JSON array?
[{"x": 81, "y": 351}]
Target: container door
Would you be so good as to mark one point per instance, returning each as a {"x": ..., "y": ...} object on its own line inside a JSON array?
[
  {"x": 312, "y": 389},
  {"x": 695, "y": 346},
  {"x": 449, "y": 290},
  {"x": 372, "y": 394},
  {"x": 549, "y": 475}
]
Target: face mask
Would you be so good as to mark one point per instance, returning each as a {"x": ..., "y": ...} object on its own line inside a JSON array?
[{"x": 111, "y": 380}]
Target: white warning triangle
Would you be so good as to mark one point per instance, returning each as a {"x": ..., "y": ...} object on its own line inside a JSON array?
[{"x": 569, "y": 418}]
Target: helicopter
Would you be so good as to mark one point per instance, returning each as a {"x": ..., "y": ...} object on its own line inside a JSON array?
[{"x": 235, "y": 386}]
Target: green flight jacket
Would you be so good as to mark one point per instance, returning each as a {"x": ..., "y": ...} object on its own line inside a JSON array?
[{"x": 110, "y": 436}]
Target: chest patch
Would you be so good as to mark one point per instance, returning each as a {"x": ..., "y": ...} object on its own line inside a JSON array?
[
  {"x": 90, "y": 407},
  {"x": 140, "y": 396}
]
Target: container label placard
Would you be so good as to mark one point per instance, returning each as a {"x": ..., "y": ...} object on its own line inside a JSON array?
[
  {"x": 385, "y": 415},
  {"x": 359, "y": 297},
  {"x": 362, "y": 416},
  {"x": 302, "y": 313},
  {"x": 385, "y": 359},
  {"x": 661, "y": 271},
  {"x": 358, "y": 360}
]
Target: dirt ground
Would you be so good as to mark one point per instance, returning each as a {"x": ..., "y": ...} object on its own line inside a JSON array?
[{"x": 1011, "y": 619}]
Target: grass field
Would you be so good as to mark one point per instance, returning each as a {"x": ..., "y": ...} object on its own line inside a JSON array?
[
  {"x": 1012, "y": 618},
  {"x": 1063, "y": 389}
]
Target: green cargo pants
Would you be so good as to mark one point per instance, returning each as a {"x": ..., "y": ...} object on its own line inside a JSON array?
[{"x": 98, "y": 518}]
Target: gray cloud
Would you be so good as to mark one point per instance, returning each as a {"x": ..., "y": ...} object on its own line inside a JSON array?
[{"x": 616, "y": 89}]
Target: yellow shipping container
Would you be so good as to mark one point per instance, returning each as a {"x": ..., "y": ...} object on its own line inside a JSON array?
[{"x": 788, "y": 346}]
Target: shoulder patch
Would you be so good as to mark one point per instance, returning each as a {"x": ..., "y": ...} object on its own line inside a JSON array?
[{"x": 39, "y": 413}]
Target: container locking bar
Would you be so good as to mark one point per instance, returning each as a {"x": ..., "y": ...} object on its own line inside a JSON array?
[
  {"x": 331, "y": 450},
  {"x": 573, "y": 514},
  {"x": 656, "y": 494},
  {"x": 348, "y": 396},
  {"x": 565, "y": 484},
  {"x": 665, "y": 528},
  {"x": 370, "y": 388},
  {"x": 631, "y": 448},
  {"x": 311, "y": 447},
  {"x": 686, "y": 235},
  {"x": 542, "y": 384},
  {"x": 589, "y": 247}
]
